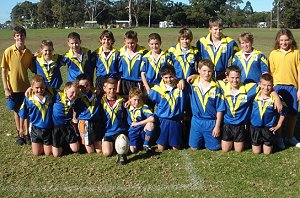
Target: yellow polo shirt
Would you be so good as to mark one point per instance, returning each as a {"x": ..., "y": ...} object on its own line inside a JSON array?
[{"x": 17, "y": 64}]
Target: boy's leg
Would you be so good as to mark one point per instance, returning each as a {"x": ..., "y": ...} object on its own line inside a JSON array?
[
  {"x": 256, "y": 149},
  {"x": 98, "y": 146},
  {"x": 47, "y": 149},
  {"x": 148, "y": 129},
  {"x": 267, "y": 149},
  {"x": 196, "y": 140},
  {"x": 107, "y": 148},
  {"x": 90, "y": 148},
  {"x": 75, "y": 147},
  {"x": 226, "y": 145},
  {"x": 227, "y": 138},
  {"x": 239, "y": 146},
  {"x": 37, "y": 148},
  {"x": 133, "y": 149},
  {"x": 256, "y": 139},
  {"x": 56, "y": 151},
  {"x": 160, "y": 147}
]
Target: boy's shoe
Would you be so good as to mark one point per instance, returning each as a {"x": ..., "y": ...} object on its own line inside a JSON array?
[
  {"x": 20, "y": 141},
  {"x": 279, "y": 142},
  {"x": 293, "y": 141},
  {"x": 147, "y": 148},
  {"x": 27, "y": 139},
  {"x": 122, "y": 159}
]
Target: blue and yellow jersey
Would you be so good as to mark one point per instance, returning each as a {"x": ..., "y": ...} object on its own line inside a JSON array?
[
  {"x": 88, "y": 107},
  {"x": 184, "y": 63},
  {"x": 206, "y": 103},
  {"x": 130, "y": 67},
  {"x": 169, "y": 103},
  {"x": 238, "y": 105},
  {"x": 39, "y": 112},
  {"x": 106, "y": 66},
  {"x": 50, "y": 71},
  {"x": 222, "y": 55},
  {"x": 113, "y": 116},
  {"x": 263, "y": 112},
  {"x": 151, "y": 67},
  {"x": 79, "y": 66},
  {"x": 62, "y": 109},
  {"x": 252, "y": 67},
  {"x": 140, "y": 113}
]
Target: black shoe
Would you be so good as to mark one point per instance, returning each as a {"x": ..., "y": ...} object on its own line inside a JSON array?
[
  {"x": 27, "y": 139},
  {"x": 147, "y": 148},
  {"x": 122, "y": 159},
  {"x": 20, "y": 141}
]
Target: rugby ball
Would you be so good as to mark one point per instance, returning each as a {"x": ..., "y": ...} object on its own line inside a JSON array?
[{"x": 122, "y": 144}]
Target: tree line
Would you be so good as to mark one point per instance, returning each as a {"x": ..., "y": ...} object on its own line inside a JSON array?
[{"x": 61, "y": 13}]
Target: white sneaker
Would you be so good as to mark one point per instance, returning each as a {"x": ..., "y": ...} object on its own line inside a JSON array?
[
  {"x": 279, "y": 142},
  {"x": 293, "y": 141}
]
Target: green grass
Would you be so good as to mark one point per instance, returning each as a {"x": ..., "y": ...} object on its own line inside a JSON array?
[{"x": 169, "y": 174}]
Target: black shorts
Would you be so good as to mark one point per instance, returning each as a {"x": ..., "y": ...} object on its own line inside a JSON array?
[
  {"x": 111, "y": 138},
  {"x": 261, "y": 135},
  {"x": 90, "y": 131},
  {"x": 62, "y": 134},
  {"x": 126, "y": 85},
  {"x": 39, "y": 135},
  {"x": 236, "y": 133}
]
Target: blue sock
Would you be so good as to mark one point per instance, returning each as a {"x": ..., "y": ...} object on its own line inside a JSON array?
[{"x": 147, "y": 137}]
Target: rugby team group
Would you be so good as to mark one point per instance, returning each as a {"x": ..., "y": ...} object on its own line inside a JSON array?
[{"x": 212, "y": 95}]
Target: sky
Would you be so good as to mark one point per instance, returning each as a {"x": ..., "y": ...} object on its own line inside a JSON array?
[{"x": 7, "y": 5}]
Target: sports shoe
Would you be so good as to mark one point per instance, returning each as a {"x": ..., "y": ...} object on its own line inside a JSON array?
[
  {"x": 147, "y": 148},
  {"x": 122, "y": 159},
  {"x": 20, "y": 141},
  {"x": 27, "y": 139},
  {"x": 293, "y": 141},
  {"x": 279, "y": 142}
]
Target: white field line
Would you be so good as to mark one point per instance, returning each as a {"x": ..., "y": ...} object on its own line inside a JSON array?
[{"x": 195, "y": 183}]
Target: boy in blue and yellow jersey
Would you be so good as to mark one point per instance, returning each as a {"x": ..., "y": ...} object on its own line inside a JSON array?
[
  {"x": 38, "y": 107},
  {"x": 106, "y": 59},
  {"x": 48, "y": 65},
  {"x": 238, "y": 98},
  {"x": 252, "y": 62},
  {"x": 88, "y": 111},
  {"x": 62, "y": 116},
  {"x": 153, "y": 61},
  {"x": 141, "y": 121},
  {"x": 217, "y": 47},
  {"x": 78, "y": 59},
  {"x": 113, "y": 116},
  {"x": 207, "y": 109},
  {"x": 170, "y": 103},
  {"x": 264, "y": 118},
  {"x": 184, "y": 56},
  {"x": 130, "y": 62}
]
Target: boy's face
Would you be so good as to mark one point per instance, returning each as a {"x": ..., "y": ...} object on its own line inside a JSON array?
[
  {"x": 130, "y": 44},
  {"x": 205, "y": 73},
  {"x": 47, "y": 52},
  {"x": 72, "y": 93},
  {"x": 284, "y": 42},
  {"x": 184, "y": 42},
  {"x": 74, "y": 44},
  {"x": 168, "y": 79},
  {"x": 216, "y": 32},
  {"x": 246, "y": 45},
  {"x": 106, "y": 42},
  {"x": 110, "y": 90},
  {"x": 38, "y": 88},
  {"x": 234, "y": 79},
  {"x": 19, "y": 38},
  {"x": 154, "y": 45},
  {"x": 266, "y": 86},
  {"x": 135, "y": 101},
  {"x": 84, "y": 86}
]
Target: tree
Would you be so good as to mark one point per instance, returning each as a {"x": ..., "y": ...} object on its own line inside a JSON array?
[
  {"x": 45, "y": 14},
  {"x": 24, "y": 13},
  {"x": 290, "y": 13}
]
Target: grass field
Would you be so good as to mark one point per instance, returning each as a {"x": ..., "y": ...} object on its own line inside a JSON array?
[{"x": 169, "y": 174}]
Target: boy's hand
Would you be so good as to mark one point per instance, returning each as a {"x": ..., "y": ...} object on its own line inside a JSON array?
[
  {"x": 191, "y": 78},
  {"x": 21, "y": 133},
  {"x": 181, "y": 84},
  {"x": 28, "y": 92},
  {"x": 7, "y": 93},
  {"x": 275, "y": 128},
  {"x": 298, "y": 94},
  {"x": 133, "y": 124},
  {"x": 278, "y": 105},
  {"x": 127, "y": 104},
  {"x": 216, "y": 131}
]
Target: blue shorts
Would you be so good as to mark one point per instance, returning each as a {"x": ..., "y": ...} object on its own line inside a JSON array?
[
  {"x": 289, "y": 96},
  {"x": 170, "y": 132},
  {"x": 136, "y": 136},
  {"x": 201, "y": 134},
  {"x": 15, "y": 101}
]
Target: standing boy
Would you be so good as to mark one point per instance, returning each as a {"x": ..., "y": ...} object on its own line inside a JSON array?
[
  {"x": 217, "y": 47},
  {"x": 16, "y": 61},
  {"x": 170, "y": 104}
]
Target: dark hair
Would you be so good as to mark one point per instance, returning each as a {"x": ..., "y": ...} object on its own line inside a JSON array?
[
  {"x": 154, "y": 36},
  {"x": 19, "y": 30},
  {"x": 68, "y": 85},
  {"x": 131, "y": 35},
  {"x": 168, "y": 69},
  {"x": 111, "y": 81},
  {"x": 233, "y": 68},
  {"x": 135, "y": 91},
  {"x": 73, "y": 35},
  {"x": 246, "y": 36},
  {"x": 82, "y": 77},
  {"x": 215, "y": 21},
  {"x": 185, "y": 33},
  {"x": 267, "y": 77},
  {"x": 108, "y": 34},
  {"x": 288, "y": 33}
]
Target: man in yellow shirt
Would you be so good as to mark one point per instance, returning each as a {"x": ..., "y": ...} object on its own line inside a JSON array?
[{"x": 16, "y": 61}]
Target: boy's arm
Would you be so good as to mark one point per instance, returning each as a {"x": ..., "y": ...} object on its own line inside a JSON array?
[
  {"x": 144, "y": 80},
  {"x": 143, "y": 122},
  {"x": 191, "y": 78},
  {"x": 279, "y": 124},
  {"x": 21, "y": 127},
  {"x": 6, "y": 88},
  {"x": 217, "y": 129},
  {"x": 298, "y": 92},
  {"x": 277, "y": 103}
]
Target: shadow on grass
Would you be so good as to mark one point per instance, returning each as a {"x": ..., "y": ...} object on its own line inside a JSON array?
[{"x": 143, "y": 155}]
